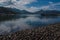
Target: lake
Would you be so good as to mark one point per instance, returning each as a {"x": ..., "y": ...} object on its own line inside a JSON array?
[{"x": 26, "y": 21}]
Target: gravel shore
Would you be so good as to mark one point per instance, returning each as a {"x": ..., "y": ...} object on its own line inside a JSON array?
[{"x": 50, "y": 32}]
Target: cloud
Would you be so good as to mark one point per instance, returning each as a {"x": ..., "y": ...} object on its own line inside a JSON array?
[
  {"x": 18, "y": 2},
  {"x": 51, "y": 6},
  {"x": 2, "y": 1},
  {"x": 32, "y": 9},
  {"x": 54, "y": 6},
  {"x": 50, "y": 2},
  {"x": 21, "y": 4},
  {"x": 24, "y": 2}
]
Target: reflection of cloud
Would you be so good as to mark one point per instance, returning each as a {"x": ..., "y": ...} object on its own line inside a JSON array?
[
  {"x": 21, "y": 23},
  {"x": 8, "y": 26},
  {"x": 4, "y": 28}
]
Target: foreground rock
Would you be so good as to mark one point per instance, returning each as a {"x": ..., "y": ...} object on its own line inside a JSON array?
[{"x": 51, "y": 32}]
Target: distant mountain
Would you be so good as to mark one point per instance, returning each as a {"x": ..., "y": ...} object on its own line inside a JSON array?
[
  {"x": 16, "y": 11},
  {"x": 6, "y": 10},
  {"x": 11, "y": 13},
  {"x": 7, "y": 14},
  {"x": 49, "y": 12},
  {"x": 19, "y": 11}
]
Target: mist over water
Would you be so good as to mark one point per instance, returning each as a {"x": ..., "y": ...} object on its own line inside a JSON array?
[{"x": 26, "y": 21}]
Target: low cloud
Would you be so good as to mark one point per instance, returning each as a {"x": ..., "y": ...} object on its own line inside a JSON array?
[{"x": 32, "y": 9}]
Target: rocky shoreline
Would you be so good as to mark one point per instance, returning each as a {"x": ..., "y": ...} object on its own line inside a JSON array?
[{"x": 50, "y": 32}]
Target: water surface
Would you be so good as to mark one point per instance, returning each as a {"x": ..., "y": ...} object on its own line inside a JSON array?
[{"x": 26, "y": 21}]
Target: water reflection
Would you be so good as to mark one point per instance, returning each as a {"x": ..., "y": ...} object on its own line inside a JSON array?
[
  {"x": 9, "y": 17},
  {"x": 26, "y": 21}
]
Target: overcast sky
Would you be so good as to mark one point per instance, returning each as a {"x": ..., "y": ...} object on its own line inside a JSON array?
[{"x": 32, "y": 5}]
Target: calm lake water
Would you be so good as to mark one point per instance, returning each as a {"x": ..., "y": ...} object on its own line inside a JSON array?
[{"x": 26, "y": 21}]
